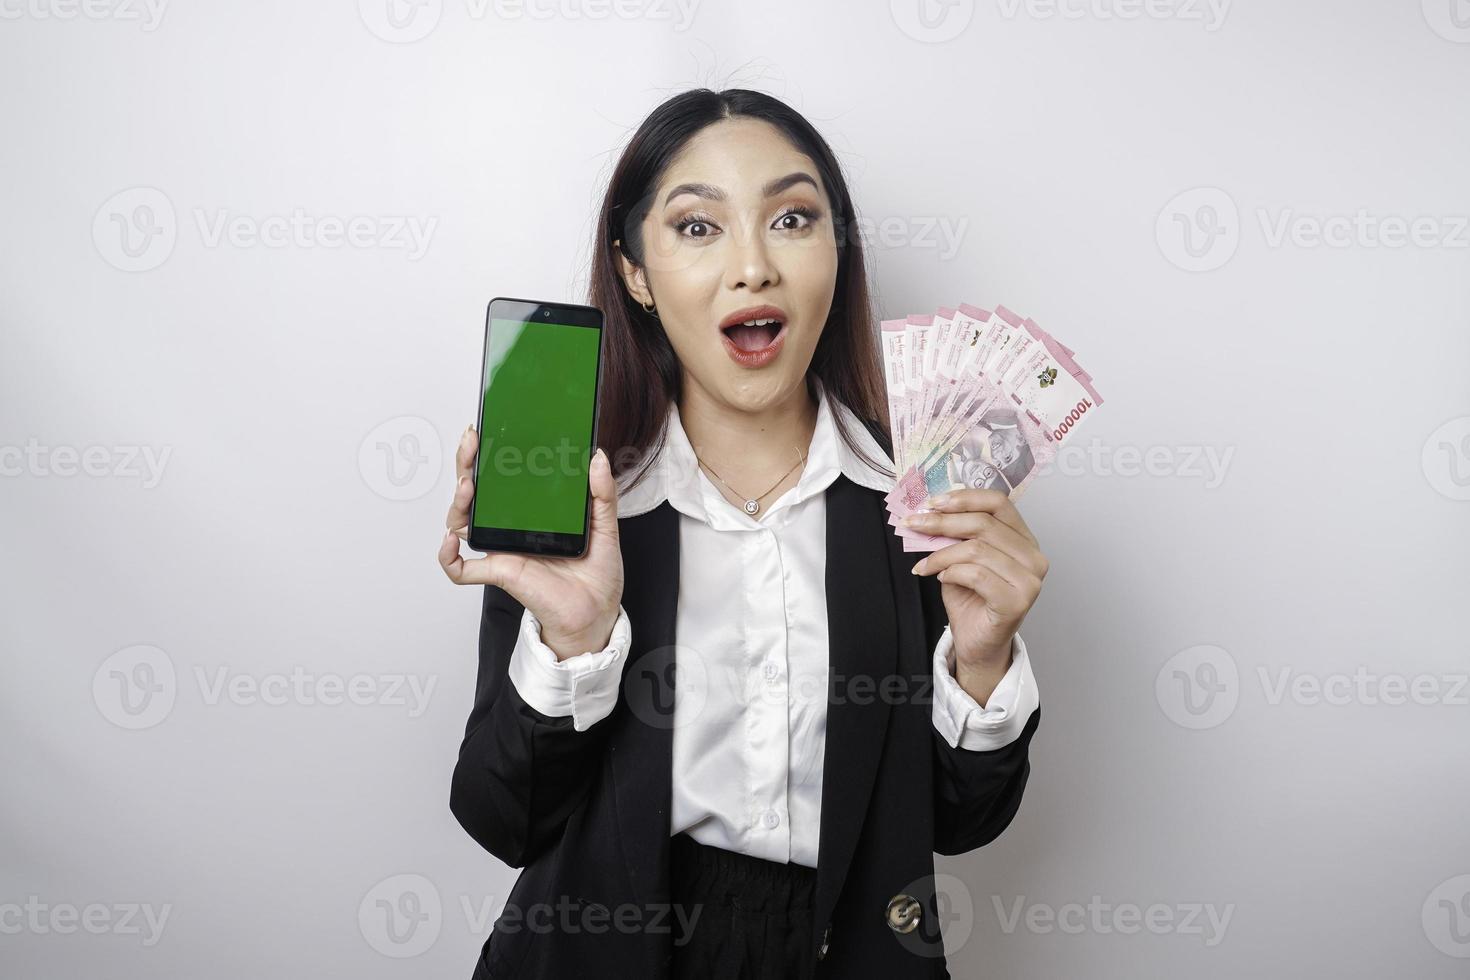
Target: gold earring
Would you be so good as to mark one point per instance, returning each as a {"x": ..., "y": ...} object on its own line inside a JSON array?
[{"x": 649, "y": 308}]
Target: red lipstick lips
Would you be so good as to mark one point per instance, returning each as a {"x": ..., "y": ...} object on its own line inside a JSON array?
[{"x": 757, "y": 344}]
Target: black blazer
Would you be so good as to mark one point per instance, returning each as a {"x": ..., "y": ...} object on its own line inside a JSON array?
[{"x": 586, "y": 814}]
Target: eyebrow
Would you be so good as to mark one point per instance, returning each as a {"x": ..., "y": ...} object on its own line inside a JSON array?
[{"x": 713, "y": 193}]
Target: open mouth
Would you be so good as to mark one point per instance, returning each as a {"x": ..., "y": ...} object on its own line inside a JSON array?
[
  {"x": 755, "y": 334},
  {"x": 753, "y": 337}
]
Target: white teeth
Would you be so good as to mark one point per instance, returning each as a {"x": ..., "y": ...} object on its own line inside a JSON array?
[{"x": 760, "y": 323}]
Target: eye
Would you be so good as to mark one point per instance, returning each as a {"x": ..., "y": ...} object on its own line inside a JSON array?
[
  {"x": 695, "y": 220},
  {"x": 804, "y": 217}
]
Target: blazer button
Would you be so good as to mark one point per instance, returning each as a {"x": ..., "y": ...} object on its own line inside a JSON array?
[
  {"x": 826, "y": 942},
  {"x": 903, "y": 913}
]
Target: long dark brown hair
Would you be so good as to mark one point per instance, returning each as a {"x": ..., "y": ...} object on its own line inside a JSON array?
[{"x": 641, "y": 373}]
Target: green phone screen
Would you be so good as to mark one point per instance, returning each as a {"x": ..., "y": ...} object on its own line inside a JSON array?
[{"x": 536, "y": 430}]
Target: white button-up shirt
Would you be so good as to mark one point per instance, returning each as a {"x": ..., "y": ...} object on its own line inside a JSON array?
[{"x": 751, "y": 661}]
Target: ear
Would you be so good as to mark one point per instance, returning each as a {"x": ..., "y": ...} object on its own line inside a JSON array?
[{"x": 635, "y": 279}]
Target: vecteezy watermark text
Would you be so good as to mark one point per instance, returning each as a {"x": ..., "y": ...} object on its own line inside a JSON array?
[
  {"x": 142, "y": 463},
  {"x": 1203, "y": 919},
  {"x": 137, "y": 687},
  {"x": 403, "y": 915},
  {"x": 1210, "y": 13},
  {"x": 407, "y": 21},
  {"x": 147, "y": 14},
  {"x": 40, "y": 918},
  {"x": 1201, "y": 229},
  {"x": 137, "y": 229},
  {"x": 1200, "y": 687}
]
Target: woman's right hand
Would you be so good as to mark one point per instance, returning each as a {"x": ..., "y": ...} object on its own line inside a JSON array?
[{"x": 575, "y": 599}]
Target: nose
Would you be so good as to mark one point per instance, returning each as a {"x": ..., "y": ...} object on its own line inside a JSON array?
[{"x": 750, "y": 263}]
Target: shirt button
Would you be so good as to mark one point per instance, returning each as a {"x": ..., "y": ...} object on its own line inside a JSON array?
[
  {"x": 770, "y": 819},
  {"x": 771, "y": 670}
]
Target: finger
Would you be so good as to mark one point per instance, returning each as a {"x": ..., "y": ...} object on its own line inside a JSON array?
[
  {"x": 987, "y": 501},
  {"x": 501, "y": 569},
  {"x": 998, "y": 593},
  {"x": 987, "y": 527},
  {"x": 464, "y": 454},
  {"x": 977, "y": 552},
  {"x": 458, "y": 518},
  {"x": 450, "y": 559},
  {"x": 604, "y": 488}
]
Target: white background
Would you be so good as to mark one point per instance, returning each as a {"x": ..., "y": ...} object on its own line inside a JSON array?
[{"x": 1050, "y": 144}]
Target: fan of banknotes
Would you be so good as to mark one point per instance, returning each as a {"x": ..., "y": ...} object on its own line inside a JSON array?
[{"x": 975, "y": 399}]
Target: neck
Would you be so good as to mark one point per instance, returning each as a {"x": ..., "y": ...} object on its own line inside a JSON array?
[{"x": 750, "y": 449}]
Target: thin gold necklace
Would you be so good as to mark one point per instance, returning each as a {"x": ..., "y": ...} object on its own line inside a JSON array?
[{"x": 753, "y": 504}]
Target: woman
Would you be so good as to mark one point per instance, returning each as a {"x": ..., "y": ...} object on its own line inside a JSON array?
[{"x": 729, "y": 739}]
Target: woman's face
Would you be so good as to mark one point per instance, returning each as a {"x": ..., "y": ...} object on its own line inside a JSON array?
[{"x": 740, "y": 220}]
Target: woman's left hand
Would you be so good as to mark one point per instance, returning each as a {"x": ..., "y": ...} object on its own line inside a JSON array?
[{"x": 991, "y": 578}]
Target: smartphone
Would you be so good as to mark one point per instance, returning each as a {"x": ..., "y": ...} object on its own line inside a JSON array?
[{"x": 538, "y": 427}]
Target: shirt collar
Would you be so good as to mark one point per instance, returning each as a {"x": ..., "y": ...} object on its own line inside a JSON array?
[{"x": 676, "y": 475}]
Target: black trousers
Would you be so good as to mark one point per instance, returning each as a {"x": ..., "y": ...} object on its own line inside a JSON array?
[{"x": 751, "y": 919}]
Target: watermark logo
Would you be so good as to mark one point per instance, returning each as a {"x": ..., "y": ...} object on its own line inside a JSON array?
[
  {"x": 135, "y": 230},
  {"x": 136, "y": 687},
  {"x": 1450, "y": 19},
  {"x": 401, "y": 21},
  {"x": 932, "y": 21},
  {"x": 650, "y": 683},
  {"x": 1446, "y": 917},
  {"x": 401, "y": 915},
  {"x": 1199, "y": 229},
  {"x": 1446, "y": 459},
  {"x": 401, "y": 459},
  {"x": 1198, "y": 687}
]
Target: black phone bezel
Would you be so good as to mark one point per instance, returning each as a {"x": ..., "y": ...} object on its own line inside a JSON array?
[{"x": 547, "y": 544}]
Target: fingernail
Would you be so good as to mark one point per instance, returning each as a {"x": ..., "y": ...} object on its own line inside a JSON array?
[
  {"x": 940, "y": 500},
  {"x": 918, "y": 568}
]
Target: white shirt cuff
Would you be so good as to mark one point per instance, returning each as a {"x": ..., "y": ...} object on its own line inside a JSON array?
[
  {"x": 962, "y": 721},
  {"x": 584, "y": 686}
]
